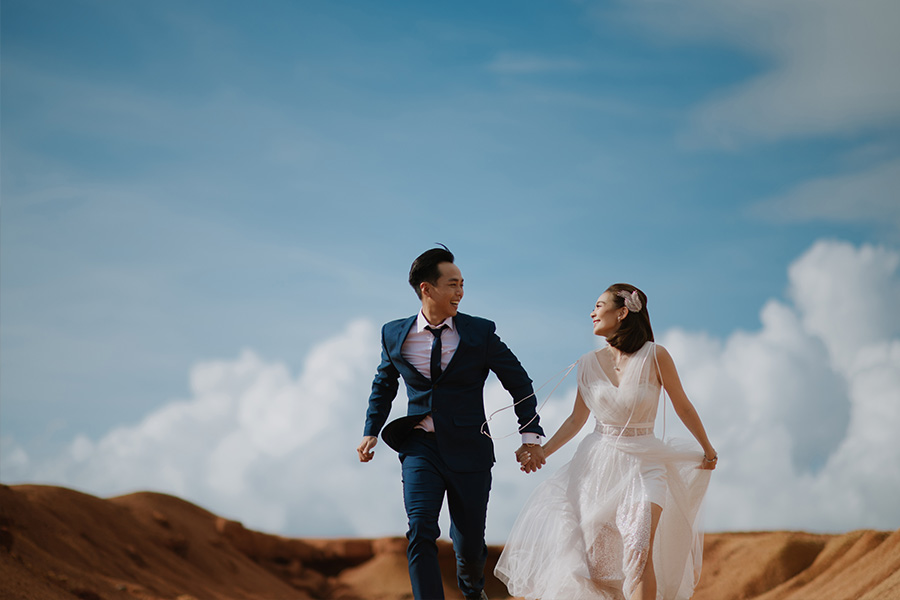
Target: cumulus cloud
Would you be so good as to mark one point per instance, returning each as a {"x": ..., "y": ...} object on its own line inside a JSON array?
[
  {"x": 252, "y": 442},
  {"x": 825, "y": 67},
  {"x": 804, "y": 411}
]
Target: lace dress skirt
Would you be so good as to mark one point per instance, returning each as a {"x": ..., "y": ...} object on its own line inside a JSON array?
[{"x": 584, "y": 533}]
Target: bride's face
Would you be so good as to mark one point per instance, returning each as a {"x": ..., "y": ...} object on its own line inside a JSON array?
[{"x": 606, "y": 316}]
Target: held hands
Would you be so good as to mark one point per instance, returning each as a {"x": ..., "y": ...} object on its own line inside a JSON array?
[
  {"x": 531, "y": 457},
  {"x": 365, "y": 448}
]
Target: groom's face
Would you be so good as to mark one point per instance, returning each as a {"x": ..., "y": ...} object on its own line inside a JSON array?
[{"x": 445, "y": 294}]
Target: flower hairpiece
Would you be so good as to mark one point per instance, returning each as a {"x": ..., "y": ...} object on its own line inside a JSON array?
[{"x": 632, "y": 300}]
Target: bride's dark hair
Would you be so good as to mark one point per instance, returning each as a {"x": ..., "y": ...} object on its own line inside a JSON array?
[{"x": 635, "y": 329}]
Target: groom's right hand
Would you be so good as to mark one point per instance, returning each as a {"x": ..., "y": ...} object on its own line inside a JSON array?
[{"x": 365, "y": 448}]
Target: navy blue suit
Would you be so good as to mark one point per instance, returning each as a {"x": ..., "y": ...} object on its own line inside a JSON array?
[{"x": 457, "y": 458}]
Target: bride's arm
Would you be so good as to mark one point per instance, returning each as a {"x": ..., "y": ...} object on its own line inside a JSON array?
[
  {"x": 683, "y": 407},
  {"x": 571, "y": 426}
]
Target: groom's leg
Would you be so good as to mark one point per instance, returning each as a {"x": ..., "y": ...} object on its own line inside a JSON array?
[
  {"x": 467, "y": 499},
  {"x": 423, "y": 494}
]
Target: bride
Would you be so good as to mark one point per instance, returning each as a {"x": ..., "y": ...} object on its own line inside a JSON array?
[{"x": 620, "y": 520}]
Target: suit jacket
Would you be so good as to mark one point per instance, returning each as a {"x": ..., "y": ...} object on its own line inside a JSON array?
[{"x": 456, "y": 400}]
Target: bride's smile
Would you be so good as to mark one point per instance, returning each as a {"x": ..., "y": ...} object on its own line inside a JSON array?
[{"x": 605, "y": 316}]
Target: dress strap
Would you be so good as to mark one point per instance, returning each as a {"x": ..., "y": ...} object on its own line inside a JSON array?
[{"x": 662, "y": 385}]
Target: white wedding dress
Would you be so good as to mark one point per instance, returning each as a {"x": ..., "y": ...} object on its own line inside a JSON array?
[{"x": 584, "y": 533}]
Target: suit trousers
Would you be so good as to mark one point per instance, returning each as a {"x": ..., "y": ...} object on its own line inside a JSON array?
[{"x": 426, "y": 479}]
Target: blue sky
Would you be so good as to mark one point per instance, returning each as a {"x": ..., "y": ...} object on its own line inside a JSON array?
[{"x": 183, "y": 181}]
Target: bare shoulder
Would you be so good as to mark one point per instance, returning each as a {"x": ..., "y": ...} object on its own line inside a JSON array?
[
  {"x": 663, "y": 356},
  {"x": 661, "y": 351}
]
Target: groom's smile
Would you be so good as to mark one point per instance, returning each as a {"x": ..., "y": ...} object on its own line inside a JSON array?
[{"x": 441, "y": 299}]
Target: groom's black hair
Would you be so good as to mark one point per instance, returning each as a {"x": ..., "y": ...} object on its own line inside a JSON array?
[{"x": 425, "y": 267}]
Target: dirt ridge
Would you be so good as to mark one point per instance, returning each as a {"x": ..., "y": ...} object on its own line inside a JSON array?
[{"x": 59, "y": 544}]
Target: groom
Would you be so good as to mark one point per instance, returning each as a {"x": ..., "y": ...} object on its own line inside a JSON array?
[{"x": 444, "y": 357}]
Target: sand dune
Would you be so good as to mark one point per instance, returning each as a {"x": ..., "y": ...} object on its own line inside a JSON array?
[{"x": 56, "y": 543}]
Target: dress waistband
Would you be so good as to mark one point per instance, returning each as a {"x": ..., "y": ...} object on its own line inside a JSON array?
[{"x": 624, "y": 430}]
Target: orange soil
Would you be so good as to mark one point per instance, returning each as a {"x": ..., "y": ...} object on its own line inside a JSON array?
[{"x": 59, "y": 544}]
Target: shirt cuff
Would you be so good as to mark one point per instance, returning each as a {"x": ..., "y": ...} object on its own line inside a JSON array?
[{"x": 531, "y": 438}]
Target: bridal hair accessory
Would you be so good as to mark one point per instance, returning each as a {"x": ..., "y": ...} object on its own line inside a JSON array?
[
  {"x": 537, "y": 410},
  {"x": 632, "y": 300}
]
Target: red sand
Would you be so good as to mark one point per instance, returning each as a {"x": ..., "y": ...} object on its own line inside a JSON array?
[{"x": 60, "y": 544}]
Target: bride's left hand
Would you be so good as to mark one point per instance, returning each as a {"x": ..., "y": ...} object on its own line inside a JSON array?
[{"x": 709, "y": 465}]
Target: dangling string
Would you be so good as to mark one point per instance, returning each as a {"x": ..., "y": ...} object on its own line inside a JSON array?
[{"x": 531, "y": 395}]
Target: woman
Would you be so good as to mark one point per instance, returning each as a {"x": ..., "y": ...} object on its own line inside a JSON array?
[{"x": 620, "y": 520}]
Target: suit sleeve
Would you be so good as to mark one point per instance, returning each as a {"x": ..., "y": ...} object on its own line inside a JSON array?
[
  {"x": 515, "y": 380},
  {"x": 384, "y": 390}
]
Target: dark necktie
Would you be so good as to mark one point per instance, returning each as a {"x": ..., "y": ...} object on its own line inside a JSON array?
[{"x": 436, "y": 351}]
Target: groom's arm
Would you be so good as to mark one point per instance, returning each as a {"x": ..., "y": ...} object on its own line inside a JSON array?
[
  {"x": 384, "y": 390},
  {"x": 515, "y": 380}
]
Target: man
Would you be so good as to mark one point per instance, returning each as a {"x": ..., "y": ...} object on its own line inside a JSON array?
[{"x": 444, "y": 357}]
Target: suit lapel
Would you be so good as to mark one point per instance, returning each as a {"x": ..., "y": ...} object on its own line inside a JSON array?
[{"x": 399, "y": 337}]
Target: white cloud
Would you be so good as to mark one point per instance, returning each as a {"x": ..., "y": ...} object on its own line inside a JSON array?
[
  {"x": 827, "y": 67},
  {"x": 848, "y": 298},
  {"x": 805, "y": 412},
  {"x": 253, "y": 443}
]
